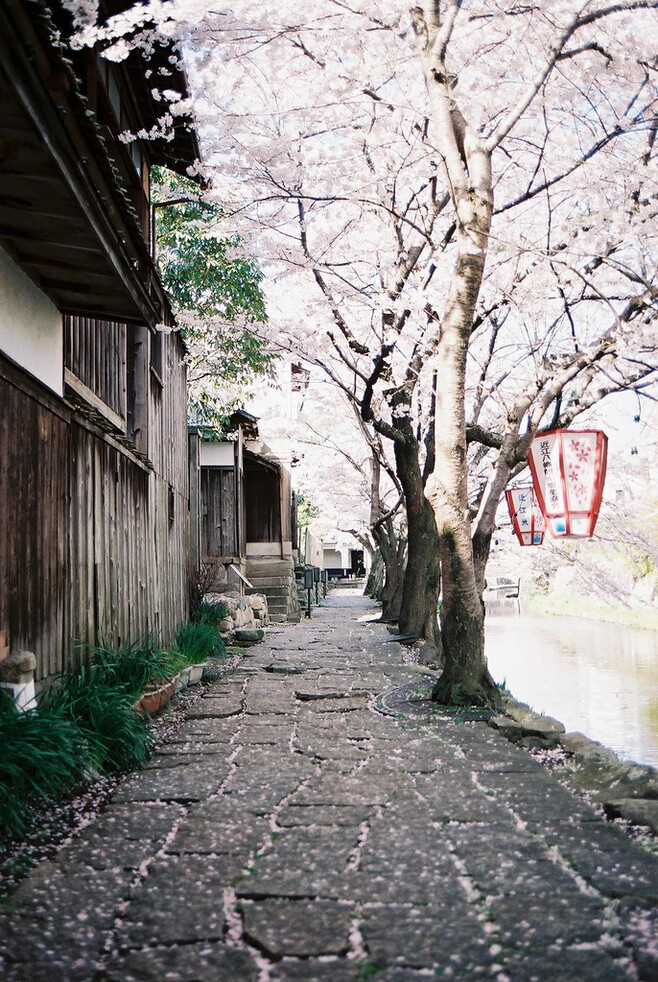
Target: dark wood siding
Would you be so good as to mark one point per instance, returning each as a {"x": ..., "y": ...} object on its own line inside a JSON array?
[
  {"x": 263, "y": 502},
  {"x": 93, "y": 542},
  {"x": 33, "y": 526},
  {"x": 95, "y": 352},
  {"x": 218, "y": 512}
]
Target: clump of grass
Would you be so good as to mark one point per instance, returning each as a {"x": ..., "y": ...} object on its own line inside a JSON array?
[
  {"x": 197, "y": 641},
  {"x": 103, "y": 711},
  {"x": 44, "y": 755},
  {"x": 211, "y": 611},
  {"x": 129, "y": 667}
]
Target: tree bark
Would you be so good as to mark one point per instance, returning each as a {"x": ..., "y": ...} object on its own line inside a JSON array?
[
  {"x": 422, "y": 579},
  {"x": 465, "y": 678},
  {"x": 392, "y": 550}
]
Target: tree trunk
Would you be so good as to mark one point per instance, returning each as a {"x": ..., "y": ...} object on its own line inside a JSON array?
[
  {"x": 465, "y": 679},
  {"x": 374, "y": 582},
  {"x": 422, "y": 578},
  {"x": 392, "y": 551}
]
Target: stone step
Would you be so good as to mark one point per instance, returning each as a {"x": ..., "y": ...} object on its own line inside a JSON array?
[
  {"x": 273, "y": 590},
  {"x": 277, "y": 566},
  {"x": 278, "y": 608},
  {"x": 269, "y": 581}
]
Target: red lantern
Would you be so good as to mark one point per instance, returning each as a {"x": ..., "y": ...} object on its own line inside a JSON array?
[
  {"x": 525, "y": 513},
  {"x": 568, "y": 472}
]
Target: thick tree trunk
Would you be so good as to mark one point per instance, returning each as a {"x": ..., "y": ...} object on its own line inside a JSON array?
[
  {"x": 422, "y": 578},
  {"x": 465, "y": 679}
]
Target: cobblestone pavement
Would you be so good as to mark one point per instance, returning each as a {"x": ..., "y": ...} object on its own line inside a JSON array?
[{"x": 290, "y": 832}]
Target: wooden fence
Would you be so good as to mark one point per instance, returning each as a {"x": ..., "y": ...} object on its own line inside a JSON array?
[{"x": 94, "y": 542}]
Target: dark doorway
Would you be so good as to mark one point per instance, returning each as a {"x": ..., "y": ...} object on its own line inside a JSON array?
[
  {"x": 263, "y": 501},
  {"x": 357, "y": 567}
]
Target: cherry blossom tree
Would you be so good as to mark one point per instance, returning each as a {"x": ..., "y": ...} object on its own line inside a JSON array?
[{"x": 459, "y": 200}]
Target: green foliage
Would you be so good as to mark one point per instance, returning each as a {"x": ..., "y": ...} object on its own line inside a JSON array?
[
  {"x": 43, "y": 756},
  {"x": 200, "y": 265},
  {"x": 216, "y": 292},
  {"x": 103, "y": 711},
  {"x": 197, "y": 641},
  {"x": 212, "y": 611},
  {"x": 307, "y": 510},
  {"x": 129, "y": 667}
]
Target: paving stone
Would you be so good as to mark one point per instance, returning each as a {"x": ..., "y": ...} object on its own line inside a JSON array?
[
  {"x": 544, "y": 919},
  {"x": 506, "y": 861},
  {"x": 297, "y": 927},
  {"x": 201, "y": 962},
  {"x": 204, "y": 729},
  {"x": 123, "y": 836},
  {"x": 608, "y": 860},
  {"x": 180, "y": 900},
  {"x": 425, "y": 937},
  {"x": 338, "y": 790},
  {"x": 350, "y": 815},
  {"x": 221, "y": 828},
  {"x": 317, "y": 970},
  {"x": 56, "y": 896},
  {"x": 217, "y": 707},
  {"x": 48, "y": 952},
  {"x": 640, "y": 929},
  {"x": 194, "y": 782},
  {"x": 566, "y": 965}
]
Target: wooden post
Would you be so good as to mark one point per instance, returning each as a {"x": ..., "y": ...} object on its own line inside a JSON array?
[{"x": 194, "y": 442}]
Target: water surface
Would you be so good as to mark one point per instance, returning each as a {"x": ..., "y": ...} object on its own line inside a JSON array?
[{"x": 601, "y": 679}]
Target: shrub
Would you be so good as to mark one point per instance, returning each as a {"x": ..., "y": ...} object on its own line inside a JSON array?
[
  {"x": 196, "y": 641},
  {"x": 119, "y": 738},
  {"x": 212, "y": 611},
  {"x": 129, "y": 667},
  {"x": 43, "y": 756}
]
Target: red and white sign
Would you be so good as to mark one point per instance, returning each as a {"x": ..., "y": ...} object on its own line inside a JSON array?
[
  {"x": 525, "y": 514},
  {"x": 568, "y": 472}
]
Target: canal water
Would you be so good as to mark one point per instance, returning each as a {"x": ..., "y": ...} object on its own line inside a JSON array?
[{"x": 600, "y": 679}]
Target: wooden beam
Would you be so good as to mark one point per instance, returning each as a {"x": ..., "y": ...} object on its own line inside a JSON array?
[{"x": 73, "y": 383}]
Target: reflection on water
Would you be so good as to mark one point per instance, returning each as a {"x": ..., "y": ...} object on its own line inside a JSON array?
[{"x": 601, "y": 679}]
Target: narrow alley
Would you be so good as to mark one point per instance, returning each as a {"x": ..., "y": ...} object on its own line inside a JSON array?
[{"x": 295, "y": 829}]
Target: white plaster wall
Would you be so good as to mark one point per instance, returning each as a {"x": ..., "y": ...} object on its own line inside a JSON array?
[
  {"x": 217, "y": 454},
  {"x": 31, "y": 332}
]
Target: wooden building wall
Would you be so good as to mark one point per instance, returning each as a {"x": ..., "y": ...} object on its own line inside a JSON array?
[
  {"x": 94, "y": 541},
  {"x": 34, "y": 450}
]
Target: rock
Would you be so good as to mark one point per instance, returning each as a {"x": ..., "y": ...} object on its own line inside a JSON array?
[
  {"x": 245, "y": 636},
  {"x": 639, "y": 811},
  {"x": 18, "y": 668},
  {"x": 520, "y": 723},
  {"x": 588, "y": 750}
]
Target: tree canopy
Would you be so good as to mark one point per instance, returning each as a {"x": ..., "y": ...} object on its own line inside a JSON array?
[
  {"x": 458, "y": 205},
  {"x": 217, "y": 294}
]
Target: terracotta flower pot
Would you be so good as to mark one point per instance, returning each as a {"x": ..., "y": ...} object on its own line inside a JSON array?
[{"x": 150, "y": 701}]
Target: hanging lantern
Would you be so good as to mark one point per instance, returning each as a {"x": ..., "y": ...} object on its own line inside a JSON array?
[
  {"x": 568, "y": 472},
  {"x": 525, "y": 513}
]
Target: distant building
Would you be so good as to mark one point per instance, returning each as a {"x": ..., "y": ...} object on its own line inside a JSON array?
[{"x": 247, "y": 518}]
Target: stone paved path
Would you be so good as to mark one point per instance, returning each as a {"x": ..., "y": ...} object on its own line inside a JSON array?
[{"x": 291, "y": 832}]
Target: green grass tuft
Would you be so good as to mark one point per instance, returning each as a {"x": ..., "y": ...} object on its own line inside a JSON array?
[
  {"x": 119, "y": 738},
  {"x": 197, "y": 641},
  {"x": 43, "y": 756},
  {"x": 211, "y": 611}
]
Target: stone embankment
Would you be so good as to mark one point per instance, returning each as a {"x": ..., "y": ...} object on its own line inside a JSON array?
[{"x": 316, "y": 819}]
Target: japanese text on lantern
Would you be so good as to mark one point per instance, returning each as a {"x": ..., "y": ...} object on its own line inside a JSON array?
[{"x": 549, "y": 476}]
